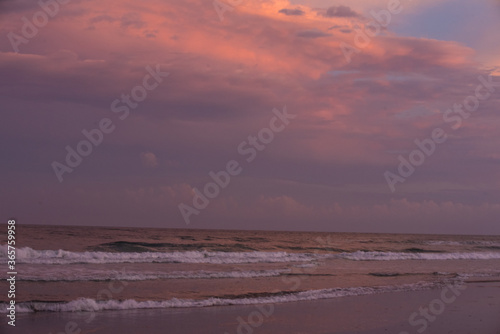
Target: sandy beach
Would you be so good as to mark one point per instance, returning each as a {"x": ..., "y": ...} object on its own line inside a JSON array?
[{"x": 475, "y": 310}]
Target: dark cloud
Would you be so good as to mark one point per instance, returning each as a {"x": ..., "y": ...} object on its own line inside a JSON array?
[
  {"x": 292, "y": 12},
  {"x": 313, "y": 33},
  {"x": 339, "y": 11},
  {"x": 102, "y": 18},
  {"x": 342, "y": 28},
  {"x": 132, "y": 20},
  {"x": 17, "y": 6}
]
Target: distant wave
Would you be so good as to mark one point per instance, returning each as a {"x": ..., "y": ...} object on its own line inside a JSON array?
[
  {"x": 139, "y": 247},
  {"x": 90, "y": 305},
  {"x": 102, "y": 275},
  {"x": 463, "y": 242},
  {"x": 388, "y": 256}
]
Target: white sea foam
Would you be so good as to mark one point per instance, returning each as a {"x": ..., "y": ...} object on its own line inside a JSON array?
[
  {"x": 72, "y": 275},
  {"x": 91, "y": 305},
  {"x": 29, "y": 255}
]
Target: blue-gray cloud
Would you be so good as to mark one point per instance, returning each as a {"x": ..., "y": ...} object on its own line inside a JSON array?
[{"x": 292, "y": 12}]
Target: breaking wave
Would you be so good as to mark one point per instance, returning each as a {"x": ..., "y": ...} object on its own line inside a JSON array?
[
  {"x": 31, "y": 256},
  {"x": 91, "y": 305}
]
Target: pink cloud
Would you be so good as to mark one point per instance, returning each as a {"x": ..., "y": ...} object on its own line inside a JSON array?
[{"x": 225, "y": 79}]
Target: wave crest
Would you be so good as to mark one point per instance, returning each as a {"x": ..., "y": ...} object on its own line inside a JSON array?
[{"x": 91, "y": 305}]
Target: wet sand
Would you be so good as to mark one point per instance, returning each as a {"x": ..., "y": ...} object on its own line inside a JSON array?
[{"x": 475, "y": 310}]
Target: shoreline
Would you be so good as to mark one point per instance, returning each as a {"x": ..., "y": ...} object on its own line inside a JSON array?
[{"x": 474, "y": 310}]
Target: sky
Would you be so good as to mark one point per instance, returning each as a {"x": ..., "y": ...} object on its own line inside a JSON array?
[{"x": 349, "y": 116}]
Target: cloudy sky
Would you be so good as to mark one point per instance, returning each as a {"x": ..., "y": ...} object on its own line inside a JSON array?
[{"x": 358, "y": 92}]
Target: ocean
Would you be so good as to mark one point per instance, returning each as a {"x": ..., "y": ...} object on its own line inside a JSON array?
[{"x": 98, "y": 269}]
